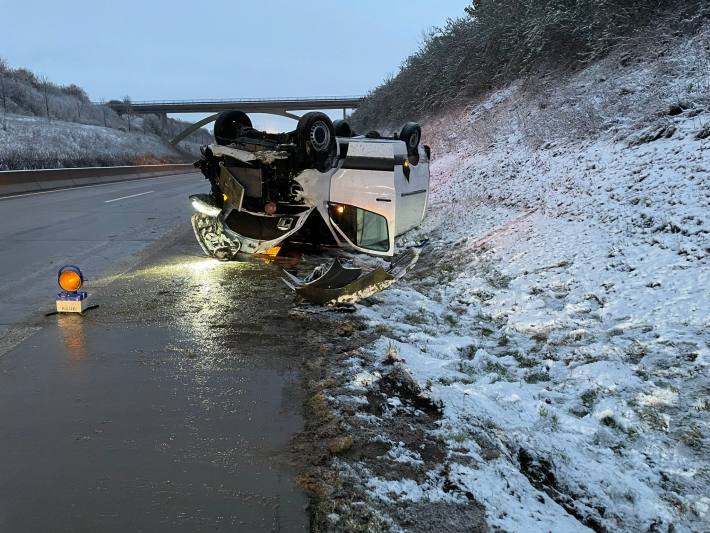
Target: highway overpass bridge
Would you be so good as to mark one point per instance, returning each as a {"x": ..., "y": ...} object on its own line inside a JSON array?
[{"x": 284, "y": 107}]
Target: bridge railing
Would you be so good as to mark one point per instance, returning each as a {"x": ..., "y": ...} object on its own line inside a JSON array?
[{"x": 289, "y": 99}]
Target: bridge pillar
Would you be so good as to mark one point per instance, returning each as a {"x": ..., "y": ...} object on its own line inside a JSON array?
[{"x": 163, "y": 122}]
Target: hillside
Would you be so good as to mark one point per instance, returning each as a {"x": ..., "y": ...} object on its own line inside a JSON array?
[
  {"x": 44, "y": 125},
  {"x": 498, "y": 42},
  {"x": 545, "y": 367}
]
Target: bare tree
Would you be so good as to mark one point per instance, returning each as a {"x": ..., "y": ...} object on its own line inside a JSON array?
[
  {"x": 102, "y": 105},
  {"x": 127, "y": 101},
  {"x": 45, "y": 83},
  {"x": 3, "y": 68}
]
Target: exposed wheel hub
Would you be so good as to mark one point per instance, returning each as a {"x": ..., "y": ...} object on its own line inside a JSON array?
[
  {"x": 320, "y": 136},
  {"x": 413, "y": 140}
]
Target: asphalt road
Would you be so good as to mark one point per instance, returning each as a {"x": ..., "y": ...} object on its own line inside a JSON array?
[
  {"x": 169, "y": 407},
  {"x": 99, "y": 228}
]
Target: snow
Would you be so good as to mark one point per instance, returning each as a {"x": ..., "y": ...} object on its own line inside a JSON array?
[
  {"x": 561, "y": 310},
  {"x": 43, "y": 140}
]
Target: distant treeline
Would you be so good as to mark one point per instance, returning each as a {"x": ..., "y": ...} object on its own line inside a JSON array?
[
  {"x": 24, "y": 93},
  {"x": 497, "y": 41}
]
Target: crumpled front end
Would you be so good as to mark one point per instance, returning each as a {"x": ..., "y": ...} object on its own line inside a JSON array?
[{"x": 256, "y": 201}]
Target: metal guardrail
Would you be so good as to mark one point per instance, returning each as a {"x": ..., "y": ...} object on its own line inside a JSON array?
[{"x": 23, "y": 181}]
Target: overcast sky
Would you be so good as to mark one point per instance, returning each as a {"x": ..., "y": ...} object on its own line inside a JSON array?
[{"x": 151, "y": 50}]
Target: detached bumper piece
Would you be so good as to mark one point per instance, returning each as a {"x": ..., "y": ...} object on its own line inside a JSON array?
[{"x": 334, "y": 283}]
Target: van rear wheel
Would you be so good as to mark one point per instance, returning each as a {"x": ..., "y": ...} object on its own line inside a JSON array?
[
  {"x": 228, "y": 126},
  {"x": 342, "y": 128},
  {"x": 411, "y": 134}
]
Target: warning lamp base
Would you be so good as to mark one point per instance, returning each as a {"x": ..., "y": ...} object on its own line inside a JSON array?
[{"x": 72, "y": 302}]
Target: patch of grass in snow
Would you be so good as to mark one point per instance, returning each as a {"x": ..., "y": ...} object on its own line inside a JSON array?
[
  {"x": 653, "y": 417},
  {"x": 383, "y": 330},
  {"x": 554, "y": 421},
  {"x": 451, "y": 320},
  {"x": 523, "y": 362},
  {"x": 587, "y": 401},
  {"x": 692, "y": 438},
  {"x": 572, "y": 337},
  {"x": 446, "y": 381},
  {"x": 537, "y": 377},
  {"x": 486, "y": 332},
  {"x": 445, "y": 276},
  {"x": 466, "y": 368},
  {"x": 493, "y": 367},
  {"x": 459, "y": 437},
  {"x": 497, "y": 279},
  {"x": 589, "y": 398},
  {"x": 702, "y": 404},
  {"x": 468, "y": 352},
  {"x": 609, "y": 421},
  {"x": 540, "y": 336},
  {"x": 535, "y": 290},
  {"x": 416, "y": 318},
  {"x": 636, "y": 351}
]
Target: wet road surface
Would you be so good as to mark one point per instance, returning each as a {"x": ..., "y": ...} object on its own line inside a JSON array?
[
  {"x": 170, "y": 407},
  {"x": 97, "y": 227}
]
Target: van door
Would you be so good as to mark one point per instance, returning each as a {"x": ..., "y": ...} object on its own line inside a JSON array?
[
  {"x": 362, "y": 197},
  {"x": 412, "y": 186}
]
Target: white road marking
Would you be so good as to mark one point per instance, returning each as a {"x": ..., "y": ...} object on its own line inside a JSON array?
[
  {"x": 10, "y": 197},
  {"x": 129, "y": 196}
]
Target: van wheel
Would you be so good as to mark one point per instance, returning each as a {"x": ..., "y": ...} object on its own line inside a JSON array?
[
  {"x": 316, "y": 133},
  {"x": 228, "y": 126},
  {"x": 316, "y": 138},
  {"x": 411, "y": 134},
  {"x": 342, "y": 129}
]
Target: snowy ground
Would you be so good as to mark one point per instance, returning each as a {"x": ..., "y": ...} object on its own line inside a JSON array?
[
  {"x": 548, "y": 359},
  {"x": 35, "y": 139}
]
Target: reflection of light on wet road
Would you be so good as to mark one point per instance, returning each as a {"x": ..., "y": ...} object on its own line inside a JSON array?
[
  {"x": 74, "y": 336},
  {"x": 205, "y": 264},
  {"x": 203, "y": 304},
  {"x": 196, "y": 266},
  {"x": 211, "y": 302}
]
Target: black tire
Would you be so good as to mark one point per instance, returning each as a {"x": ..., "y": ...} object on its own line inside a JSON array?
[
  {"x": 316, "y": 135},
  {"x": 229, "y": 124},
  {"x": 342, "y": 128},
  {"x": 411, "y": 134}
]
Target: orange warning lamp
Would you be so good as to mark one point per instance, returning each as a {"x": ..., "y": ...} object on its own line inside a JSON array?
[{"x": 70, "y": 278}]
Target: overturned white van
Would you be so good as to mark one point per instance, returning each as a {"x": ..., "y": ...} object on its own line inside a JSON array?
[{"x": 320, "y": 184}]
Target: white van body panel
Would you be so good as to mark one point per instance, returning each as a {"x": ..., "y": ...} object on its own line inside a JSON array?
[{"x": 412, "y": 194}]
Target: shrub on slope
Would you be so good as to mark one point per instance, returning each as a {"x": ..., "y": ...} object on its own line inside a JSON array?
[
  {"x": 498, "y": 40},
  {"x": 24, "y": 93}
]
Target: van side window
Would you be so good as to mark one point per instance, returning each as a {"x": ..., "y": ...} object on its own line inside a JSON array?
[{"x": 364, "y": 228}]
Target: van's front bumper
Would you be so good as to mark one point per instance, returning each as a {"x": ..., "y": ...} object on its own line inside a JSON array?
[{"x": 226, "y": 230}]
